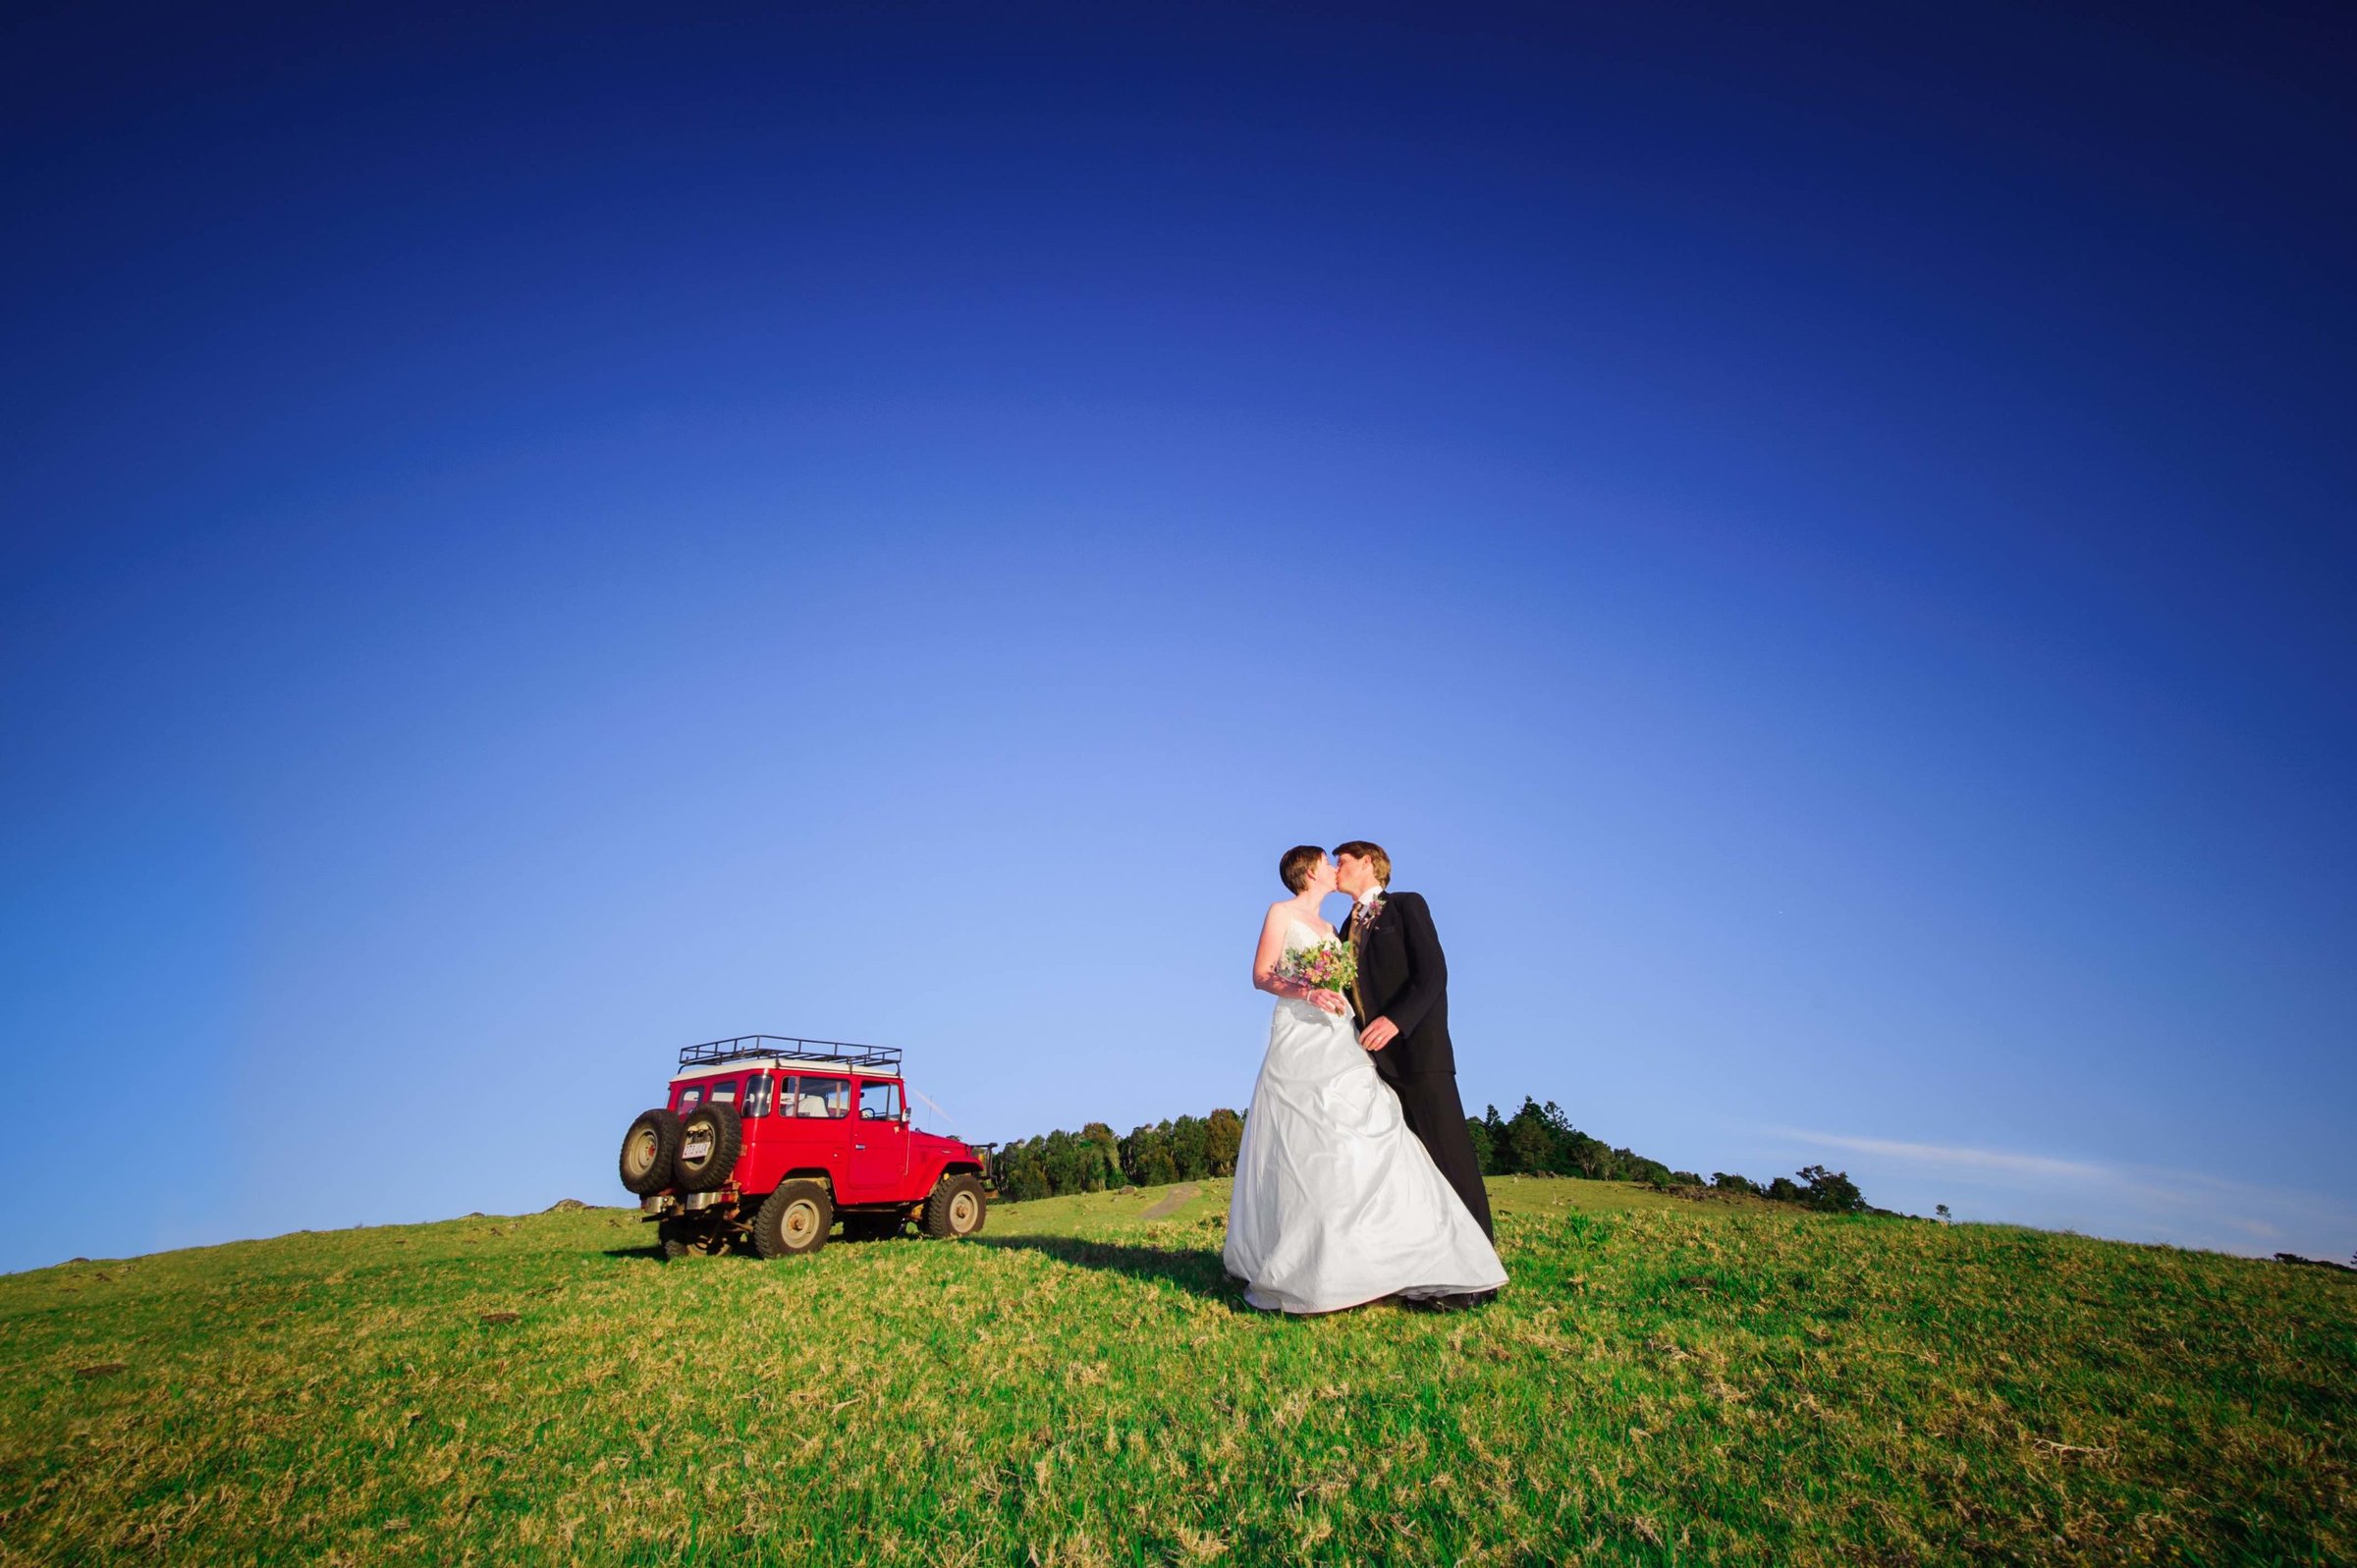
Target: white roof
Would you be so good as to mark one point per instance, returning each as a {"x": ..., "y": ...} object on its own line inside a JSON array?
[{"x": 836, "y": 1069}]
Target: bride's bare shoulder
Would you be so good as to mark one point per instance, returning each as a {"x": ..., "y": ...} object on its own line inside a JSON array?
[{"x": 1283, "y": 912}]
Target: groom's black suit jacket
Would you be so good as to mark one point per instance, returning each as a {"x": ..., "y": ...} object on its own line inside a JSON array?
[{"x": 1403, "y": 977}]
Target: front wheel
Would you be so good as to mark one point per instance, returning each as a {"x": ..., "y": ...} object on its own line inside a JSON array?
[
  {"x": 956, "y": 1209},
  {"x": 793, "y": 1221}
]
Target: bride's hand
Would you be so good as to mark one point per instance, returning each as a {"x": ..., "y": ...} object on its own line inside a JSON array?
[{"x": 1331, "y": 1001}]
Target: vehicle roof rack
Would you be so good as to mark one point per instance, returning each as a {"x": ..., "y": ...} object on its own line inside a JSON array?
[{"x": 875, "y": 1059}]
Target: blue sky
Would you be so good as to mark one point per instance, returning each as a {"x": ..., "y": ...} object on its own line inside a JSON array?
[{"x": 1820, "y": 540}]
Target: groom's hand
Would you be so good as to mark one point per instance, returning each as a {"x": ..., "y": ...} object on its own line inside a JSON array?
[{"x": 1379, "y": 1033}]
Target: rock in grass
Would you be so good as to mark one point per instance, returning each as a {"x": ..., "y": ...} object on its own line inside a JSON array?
[
  {"x": 565, "y": 1205},
  {"x": 101, "y": 1369},
  {"x": 502, "y": 1317}
]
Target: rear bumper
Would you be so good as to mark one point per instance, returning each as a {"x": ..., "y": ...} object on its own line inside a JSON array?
[{"x": 667, "y": 1203}]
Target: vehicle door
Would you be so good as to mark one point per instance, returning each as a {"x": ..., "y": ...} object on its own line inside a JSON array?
[
  {"x": 879, "y": 1144},
  {"x": 757, "y": 1167},
  {"x": 812, "y": 1126}
]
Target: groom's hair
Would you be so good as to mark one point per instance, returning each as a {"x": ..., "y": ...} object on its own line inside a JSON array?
[
  {"x": 1371, "y": 853},
  {"x": 1297, "y": 863}
]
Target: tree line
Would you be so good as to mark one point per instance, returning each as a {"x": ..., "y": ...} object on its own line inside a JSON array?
[
  {"x": 1540, "y": 1140},
  {"x": 1093, "y": 1160},
  {"x": 1536, "y": 1140}
]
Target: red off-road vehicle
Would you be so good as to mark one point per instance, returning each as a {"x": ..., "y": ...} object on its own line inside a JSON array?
[{"x": 771, "y": 1139}]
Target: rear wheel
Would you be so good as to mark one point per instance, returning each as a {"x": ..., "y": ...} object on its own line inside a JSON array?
[
  {"x": 709, "y": 1140},
  {"x": 691, "y": 1238},
  {"x": 794, "y": 1222},
  {"x": 648, "y": 1150},
  {"x": 957, "y": 1207}
]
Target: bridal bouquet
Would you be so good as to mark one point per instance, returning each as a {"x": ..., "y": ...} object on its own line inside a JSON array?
[{"x": 1328, "y": 965}]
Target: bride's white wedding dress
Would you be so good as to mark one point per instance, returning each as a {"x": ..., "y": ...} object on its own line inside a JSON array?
[{"x": 1337, "y": 1203}]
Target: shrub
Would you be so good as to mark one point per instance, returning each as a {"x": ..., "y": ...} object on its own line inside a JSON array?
[
  {"x": 1831, "y": 1191},
  {"x": 1485, "y": 1149},
  {"x": 1146, "y": 1157},
  {"x": 1190, "y": 1148},
  {"x": 1101, "y": 1159},
  {"x": 1223, "y": 1136}
]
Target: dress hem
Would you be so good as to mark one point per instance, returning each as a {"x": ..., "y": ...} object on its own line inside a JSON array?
[{"x": 1408, "y": 1292}]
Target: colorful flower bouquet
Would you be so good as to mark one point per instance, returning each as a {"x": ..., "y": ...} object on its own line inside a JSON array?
[{"x": 1328, "y": 965}]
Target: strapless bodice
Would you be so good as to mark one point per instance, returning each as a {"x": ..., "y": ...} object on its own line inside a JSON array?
[{"x": 1298, "y": 936}]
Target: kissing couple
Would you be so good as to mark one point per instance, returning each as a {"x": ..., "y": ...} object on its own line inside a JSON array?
[{"x": 1356, "y": 1180}]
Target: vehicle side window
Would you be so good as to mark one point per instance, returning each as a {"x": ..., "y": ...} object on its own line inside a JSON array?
[
  {"x": 690, "y": 1097},
  {"x": 756, "y": 1095},
  {"x": 879, "y": 1102},
  {"x": 822, "y": 1096},
  {"x": 725, "y": 1092}
]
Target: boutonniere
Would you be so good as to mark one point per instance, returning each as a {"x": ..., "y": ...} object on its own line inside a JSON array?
[{"x": 1366, "y": 915}]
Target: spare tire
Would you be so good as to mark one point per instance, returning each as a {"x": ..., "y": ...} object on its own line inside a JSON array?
[
  {"x": 650, "y": 1149},
  {"x": 709, "y": 1141}
]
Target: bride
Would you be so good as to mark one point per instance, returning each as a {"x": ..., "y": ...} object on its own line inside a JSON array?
[{"x": 1337, "y": 1203}]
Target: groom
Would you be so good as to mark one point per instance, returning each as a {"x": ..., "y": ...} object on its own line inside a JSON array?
[{"x": 1401, "y": 1002}]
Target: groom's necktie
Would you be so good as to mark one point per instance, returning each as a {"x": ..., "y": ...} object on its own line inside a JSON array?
[{"x": 1361, "y": 915}]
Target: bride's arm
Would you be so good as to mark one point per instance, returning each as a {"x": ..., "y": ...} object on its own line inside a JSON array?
[
  {"x": 1265, "y": 957},
  {"x": 1264, "y": 968}
]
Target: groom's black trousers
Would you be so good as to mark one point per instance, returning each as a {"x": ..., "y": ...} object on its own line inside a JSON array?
[{"x": 1437, "y": 1118}]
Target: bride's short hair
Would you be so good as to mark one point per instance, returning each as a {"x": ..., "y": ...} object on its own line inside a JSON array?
[
  {"x": 1371, "y": 853},
  {"x": 1297, "y": 864}
]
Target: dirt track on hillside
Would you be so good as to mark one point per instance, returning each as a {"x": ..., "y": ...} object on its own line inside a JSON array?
[{"x": 1171, "y": 1204}]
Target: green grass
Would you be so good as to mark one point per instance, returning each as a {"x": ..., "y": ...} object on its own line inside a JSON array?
[{"x": 1666, "y": 1381}]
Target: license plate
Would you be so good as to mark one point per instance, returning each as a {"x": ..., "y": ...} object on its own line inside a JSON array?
[{"x": 696, "y": 1149}]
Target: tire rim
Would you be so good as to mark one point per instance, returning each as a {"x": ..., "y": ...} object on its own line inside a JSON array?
[
  {"x": 964, "y": 1211},
  {"x": 642, "y": 1152},
  {"x": 798, "y": 1224}
]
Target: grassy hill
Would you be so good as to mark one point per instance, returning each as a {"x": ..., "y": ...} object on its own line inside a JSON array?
[{"x": 1666, "y": 1381}]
